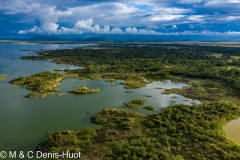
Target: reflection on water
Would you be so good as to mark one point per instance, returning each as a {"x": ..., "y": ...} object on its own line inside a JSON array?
[
  {"x": 232, "y": 129},
  {"x": 24, "y": 122}
]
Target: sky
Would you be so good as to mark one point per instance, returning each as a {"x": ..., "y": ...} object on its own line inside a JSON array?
[{"x": 219, "y": 19}]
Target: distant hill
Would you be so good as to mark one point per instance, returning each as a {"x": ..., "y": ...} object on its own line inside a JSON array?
[
  {"x": 75, "y": 39},
  {"x": 159, "y": 40},
  {"x": 188, "y": 40},
  {"x": 44, "y": 38},
  {"x": 98, "y": 39},
  {"x": 134, "y": 40}
]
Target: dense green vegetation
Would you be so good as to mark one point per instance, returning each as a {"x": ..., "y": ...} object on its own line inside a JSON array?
[
  {"x": 151, "y": 108},
  {"x": 31, "y": 95},
  {"x": 3, "y": 76},
  {"x": 84, "y": 90},
  {"x": 130, "y": 84},
  {"x": 133, "y": 104},
  {"x": 43, "y": 82},
  {"x": 152, "y": 60},
  {"x": 179, "y": 132}
]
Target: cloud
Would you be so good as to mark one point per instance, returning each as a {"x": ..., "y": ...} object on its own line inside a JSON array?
[
  {"x": 233, "y": 33},
  {"x": 120, "y": 16},
  {"x": 88, "y": 26},
  {"x": 174, "y": 26},
  {"x": 227, "y": 6},
  {"x": 116, "y": 14},
  {"x": 85, "y": 26},
  {"x": 162, "y": 18},
  {"x": 230, "y": 18},
  {"x": 32, "y": 30},
  {"x": 47, "y": 15},
  {"x": 196, "y": 18},
  {"x": 131, "y": 30}
]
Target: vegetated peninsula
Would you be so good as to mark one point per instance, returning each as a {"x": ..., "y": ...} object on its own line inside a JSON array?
[{"x": 180, "y": 131}]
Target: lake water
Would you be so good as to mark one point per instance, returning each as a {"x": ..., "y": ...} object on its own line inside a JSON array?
[
  {"x": 24, "y": 122},
  {"x": 232, "y": 129}
]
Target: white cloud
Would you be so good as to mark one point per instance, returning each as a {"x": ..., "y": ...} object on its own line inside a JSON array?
[
  {"x": 115, "y": 14},
  {"x": 229, "y": 6},
  {"x": 47, "y": 15},
  {"x": 233, "y": 33},
  {"x": 82, "y": 26},
  {"x": 32, "y": 30},
  {"x": 85, "y": 26},
  {"x": 230, "y": 18},
  {"x": 174, "y": 26},
  {"x": 89, "y": 27},
  {"x": 159, "y": 18},
  {"x": 50, "y": 28},
  {"x": 196, "y": 18},
  {"x": 116, "y": 31},
  {"x": 131, "y": 30},
  {"x": 70, "y": 31}
]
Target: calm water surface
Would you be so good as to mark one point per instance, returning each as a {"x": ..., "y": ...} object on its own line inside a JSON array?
[
  {"x": 24, "y": 122},
  {"x": 232, "y": 129}
]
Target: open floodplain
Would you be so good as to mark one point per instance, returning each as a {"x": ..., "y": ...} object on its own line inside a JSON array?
[{"x": 68, "y": 88}]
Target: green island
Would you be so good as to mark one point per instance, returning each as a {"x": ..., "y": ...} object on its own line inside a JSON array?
[
  {"x": 3, "y": 76},
  {"x": 179, "y": 131},
  {"x": 43, "y": 82},
  {"x": 134, "y": 103},
  {"x": 151, "y": 108},
  {"x": 31, "y": 95},
  {"x": 133, "y": 84},
  {"x": 84, "y": 90}
]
